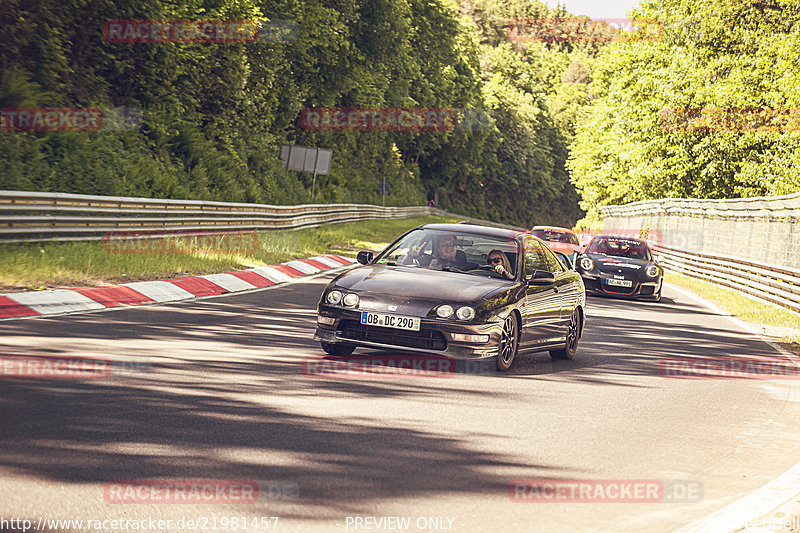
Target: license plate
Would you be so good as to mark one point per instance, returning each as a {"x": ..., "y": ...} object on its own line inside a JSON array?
[
  {"x": 390, "y": 321},
  {"x": 619, "y": 282}
]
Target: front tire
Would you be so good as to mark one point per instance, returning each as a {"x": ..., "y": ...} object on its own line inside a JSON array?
[
  {"x": 509, "y": 343},
  {"x": 338, "y": 348},
  {"x": 571, "y": 339}
]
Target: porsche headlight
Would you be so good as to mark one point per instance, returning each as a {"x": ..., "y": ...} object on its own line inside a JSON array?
[
  {"x": 465, "y": 313},
  {"x": 652, "y": 271},
  {"x": 334, "y": 297},
  {"x": 444, "y": 311},
  {"x": 586, "y": 263},
  {"x": 350, "y": 300}
]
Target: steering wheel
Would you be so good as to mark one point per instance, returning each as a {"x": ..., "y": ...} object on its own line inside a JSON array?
[{"x": 488, "y": 269}]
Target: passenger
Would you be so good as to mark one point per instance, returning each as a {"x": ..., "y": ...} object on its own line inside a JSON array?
[{"x": 499, "y": 261}]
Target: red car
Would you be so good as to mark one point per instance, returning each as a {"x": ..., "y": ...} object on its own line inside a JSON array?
[
  {"x": 558, "y": 239},
  {"x": 585, "y": 239}
]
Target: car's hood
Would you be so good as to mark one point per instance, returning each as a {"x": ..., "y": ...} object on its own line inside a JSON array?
[
  {"x": 408, "y": 287},
  {"x": 619, "y": 265},
  {"x": 565, "y": 247}
]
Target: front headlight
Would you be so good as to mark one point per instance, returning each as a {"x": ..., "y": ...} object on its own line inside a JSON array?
[
  {"x": 350, "y": 300},
  {"x": 334, "y": 297},
  {"x": 652, "y": 271},
  {"x": 586, "y": 263},
  {"x": 465, "y": 313},
  {"x": 444, "y": 311}
]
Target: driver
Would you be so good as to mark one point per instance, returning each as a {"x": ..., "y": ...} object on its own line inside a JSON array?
[
  {"x": 499, "y": 261},
  {"x": 445, "y": 253}
]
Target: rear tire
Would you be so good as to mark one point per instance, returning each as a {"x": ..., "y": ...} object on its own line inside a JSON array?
[
  {"x": 338, "y": 348},
  {"x": 571, "y": 339},
  {"x": 509, "y": 343}
]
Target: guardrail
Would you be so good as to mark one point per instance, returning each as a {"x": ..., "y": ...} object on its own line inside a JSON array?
[
  {"x": 36, "y": 216},
  {"x": 776, "y": 284}
]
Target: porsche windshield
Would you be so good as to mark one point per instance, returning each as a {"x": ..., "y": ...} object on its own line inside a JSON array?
[
  {"x": 555, "y": 236},
  {"x": 453, "y": 251},
  {"x": 619, "y": 247}
]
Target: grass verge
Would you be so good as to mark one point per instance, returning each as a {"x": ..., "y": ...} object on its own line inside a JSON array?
[
  {"x": 34, "y": 266},
  {"x": 779, "y": 324}
]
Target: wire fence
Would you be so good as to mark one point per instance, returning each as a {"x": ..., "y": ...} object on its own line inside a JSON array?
[
  {"x": 748, "y": 244},
  {"x": 763, "y": 229}
]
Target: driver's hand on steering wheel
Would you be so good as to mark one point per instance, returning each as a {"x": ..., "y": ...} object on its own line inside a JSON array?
[
  {"x": 500, "y": 269},
  {"x": 416, "y": 250}
]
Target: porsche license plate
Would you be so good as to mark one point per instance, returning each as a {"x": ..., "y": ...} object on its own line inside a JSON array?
[
  {"x": 390, "y": 321},
  {"x": 619, "y": 282}
]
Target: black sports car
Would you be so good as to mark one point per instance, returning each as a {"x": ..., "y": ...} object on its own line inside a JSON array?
[
  {"x": 458, "y": 290},
  {"x": 621, "y": 266}
]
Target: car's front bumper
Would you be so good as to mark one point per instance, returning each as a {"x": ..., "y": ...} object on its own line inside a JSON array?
[
  {"x": 639, "y": 289},
  {"x": 435, "y": 336}
]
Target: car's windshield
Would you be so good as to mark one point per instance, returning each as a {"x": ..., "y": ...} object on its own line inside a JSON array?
[
  {"x": 555, "y": 236},
  {"x": 620, "y": 247},
  {"x": 453, "y": 251}
]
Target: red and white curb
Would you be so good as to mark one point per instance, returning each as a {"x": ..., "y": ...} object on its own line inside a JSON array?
[{"x": 60, "y": 301}]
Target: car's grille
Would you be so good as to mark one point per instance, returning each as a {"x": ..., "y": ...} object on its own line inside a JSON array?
[
  {"x": 424, "y": 338},
  {"x": 618, "y": 290}
]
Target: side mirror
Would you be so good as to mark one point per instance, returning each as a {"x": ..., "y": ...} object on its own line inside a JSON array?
[
  {"x": 365, "y": 257},
  {"x": 542, "y": 277}
]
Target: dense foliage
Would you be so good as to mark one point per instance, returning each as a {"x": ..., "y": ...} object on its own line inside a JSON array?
[
  {"x": 214, "y": 116},
  {"x": 709, "y": 110}
]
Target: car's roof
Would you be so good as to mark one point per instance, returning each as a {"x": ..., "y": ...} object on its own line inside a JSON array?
[
  {"x": 554, "y": 228},
  {"x": 473, "y": 228},
  {"x": 609, "y": 236}
]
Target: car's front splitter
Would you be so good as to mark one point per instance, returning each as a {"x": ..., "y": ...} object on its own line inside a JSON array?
[{"x": 640, "y": 289}]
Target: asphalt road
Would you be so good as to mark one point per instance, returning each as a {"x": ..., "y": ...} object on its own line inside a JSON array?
[{"x": 220, "y": 391}]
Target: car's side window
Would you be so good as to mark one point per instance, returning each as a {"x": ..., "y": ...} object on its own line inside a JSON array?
[
  {"x": 535, "y": 258},
  {"x": 553, "y": 264}
]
